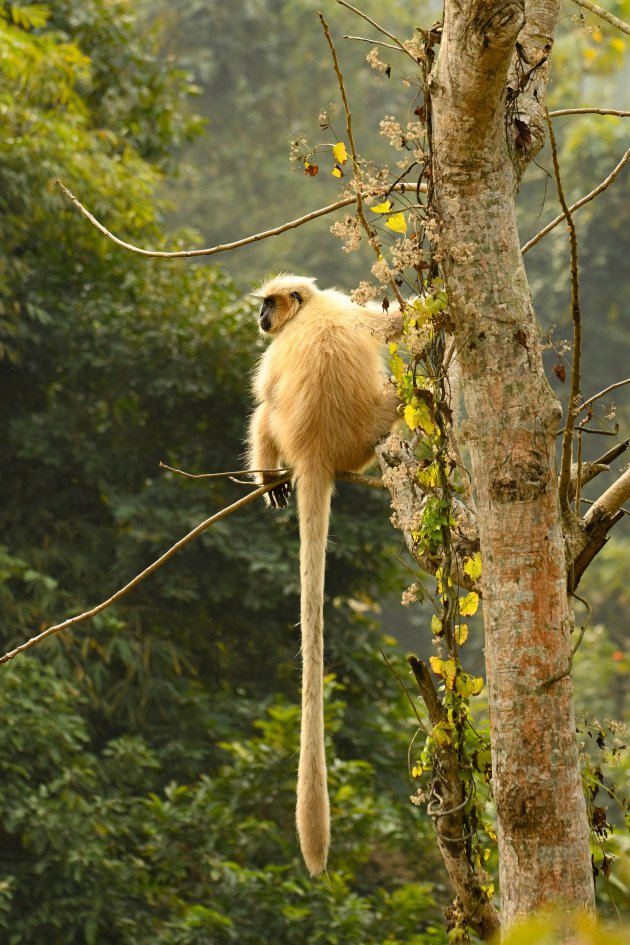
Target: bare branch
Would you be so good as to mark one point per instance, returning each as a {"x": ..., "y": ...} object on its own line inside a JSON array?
[
  {"x": 373, "y": 482},
  {"x": 613, "y": 453},
  {"x": 604, "y": 15},
  {"x": 603, "y": 514},
  {"x": 374, "y": 42},
  {"x": 574, "y": 395},
  {"x": 381, "y": 29},
  {"x": 609, "y": 504},
  {"x": 88, "y": 614},
  {"x": 602, "y": 393},
  {"x": 580, "y": 203},
  {"x": 222, "y": 247},
  {"x": 374, "y": 243},
  {"x": 589, "y": 111}
]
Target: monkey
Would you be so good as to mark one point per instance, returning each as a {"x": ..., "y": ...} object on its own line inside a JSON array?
[{"x": 322, "y": 405}]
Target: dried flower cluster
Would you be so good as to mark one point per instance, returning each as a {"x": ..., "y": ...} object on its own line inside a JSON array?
[
  {"x": 376, "y": 62},
  {"x": 349, "y": 230},
  {"x": 365, "y": 292}
]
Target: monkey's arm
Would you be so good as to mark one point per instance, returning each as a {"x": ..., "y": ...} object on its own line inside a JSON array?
[{"x": 264, "y": 454}]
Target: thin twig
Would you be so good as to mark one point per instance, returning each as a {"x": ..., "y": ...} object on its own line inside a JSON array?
[
  {"x": 572, "y": 411},
  {"x": 589, "y": 111},
  {"x": 579, "y": 203},
  {"x": 406, "y": 692},
  {"x": 602, "y": 393},
  {"x": 375, "y": 42},
  {"x": 381, "y": 29},
  {"x": 374, "y": 243},
  {"x": 88, "y": 614},
  {"x": 604, "y": 15},
  {"x": 223, "y": 475},
  {"x": 222, "y": 247},
  {"x": 373, "y": 482}
]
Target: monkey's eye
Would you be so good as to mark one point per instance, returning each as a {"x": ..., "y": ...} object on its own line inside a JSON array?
[{"x": 297, "y": 297}]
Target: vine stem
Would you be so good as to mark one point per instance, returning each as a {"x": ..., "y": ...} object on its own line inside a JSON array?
[{"x": 574, "y": 395}]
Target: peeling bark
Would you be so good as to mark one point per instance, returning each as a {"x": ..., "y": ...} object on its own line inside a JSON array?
[{"x": 512, "y": 422}]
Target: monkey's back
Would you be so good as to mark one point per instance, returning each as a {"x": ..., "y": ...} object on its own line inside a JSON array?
[{"x": 322, "y": 378}]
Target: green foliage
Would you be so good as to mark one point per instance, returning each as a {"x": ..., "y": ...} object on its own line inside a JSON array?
[{"x": 148, "y": 765}]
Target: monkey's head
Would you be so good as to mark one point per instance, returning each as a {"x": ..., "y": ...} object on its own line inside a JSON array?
[{"x": 282, "y": 298}]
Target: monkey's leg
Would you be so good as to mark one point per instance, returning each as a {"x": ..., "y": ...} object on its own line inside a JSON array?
[{"x": 264, "y": 454}]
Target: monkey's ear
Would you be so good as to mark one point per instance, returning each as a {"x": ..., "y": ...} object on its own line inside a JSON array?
[{"x": 298, "y": 298}]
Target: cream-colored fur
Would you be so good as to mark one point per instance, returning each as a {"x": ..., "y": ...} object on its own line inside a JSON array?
[{"x": 323, "y": 403}]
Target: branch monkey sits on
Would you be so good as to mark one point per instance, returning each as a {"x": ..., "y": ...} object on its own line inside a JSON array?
[{"x": 323, "y": 403}]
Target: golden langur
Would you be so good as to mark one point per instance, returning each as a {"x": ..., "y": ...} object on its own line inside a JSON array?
[{"x": 323, "y": 403}]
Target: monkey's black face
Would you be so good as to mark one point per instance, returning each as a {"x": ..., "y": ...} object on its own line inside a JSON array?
[
  {"x": 265, "y": 319},
  {"x": 277, "y": 310}
]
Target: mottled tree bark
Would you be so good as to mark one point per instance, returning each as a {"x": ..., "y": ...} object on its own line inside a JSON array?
[{"x": 512, "y": 421}]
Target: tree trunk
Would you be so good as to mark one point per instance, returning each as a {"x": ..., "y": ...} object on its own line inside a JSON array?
[{"x": 512, "y": 421}]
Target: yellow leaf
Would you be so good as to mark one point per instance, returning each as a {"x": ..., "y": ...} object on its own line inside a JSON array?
[
  {"x": 472, "y": 566},
  {"x": 436, "y": 665},
  {"x": 461, "y": 633},
  {"x": 436, "y": 625},
  {"x": 468, "y": 605},
  {"x": 382, "y": 207},
  {"x": 444, "y": 668},
  {"x": 336, "y": 171},
  {"x": 417, "y": 414},
  {"x": 428, "y": 477},
  {"x": 397, "y": 223},
  {"x": 467, "y": 686},
  {"x": 441, "y": 734},
  {"x": 397, "y": 365},
  {"x": 339, "y": 150}
]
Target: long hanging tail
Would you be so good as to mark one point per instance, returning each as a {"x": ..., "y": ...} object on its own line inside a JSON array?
[{"x": 314, "y": 489}]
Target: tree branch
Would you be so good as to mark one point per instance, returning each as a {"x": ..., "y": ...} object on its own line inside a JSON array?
[
  {"x": 222, "y": 247},
  {"x": 589, "y": 111},
  {"x": 604, "y": 15},
  {"x": 602, "y": 393},
  {"x": 579, "y": 203},
  {"x": 609, "y": 504},
  {"x": 88, "y": 614}
]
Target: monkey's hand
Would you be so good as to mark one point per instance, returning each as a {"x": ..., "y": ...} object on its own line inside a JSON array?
[{"x": 278, "y": 498}]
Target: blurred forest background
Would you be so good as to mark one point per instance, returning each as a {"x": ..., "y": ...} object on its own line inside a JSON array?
[{"x": 148, "y": 758}]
